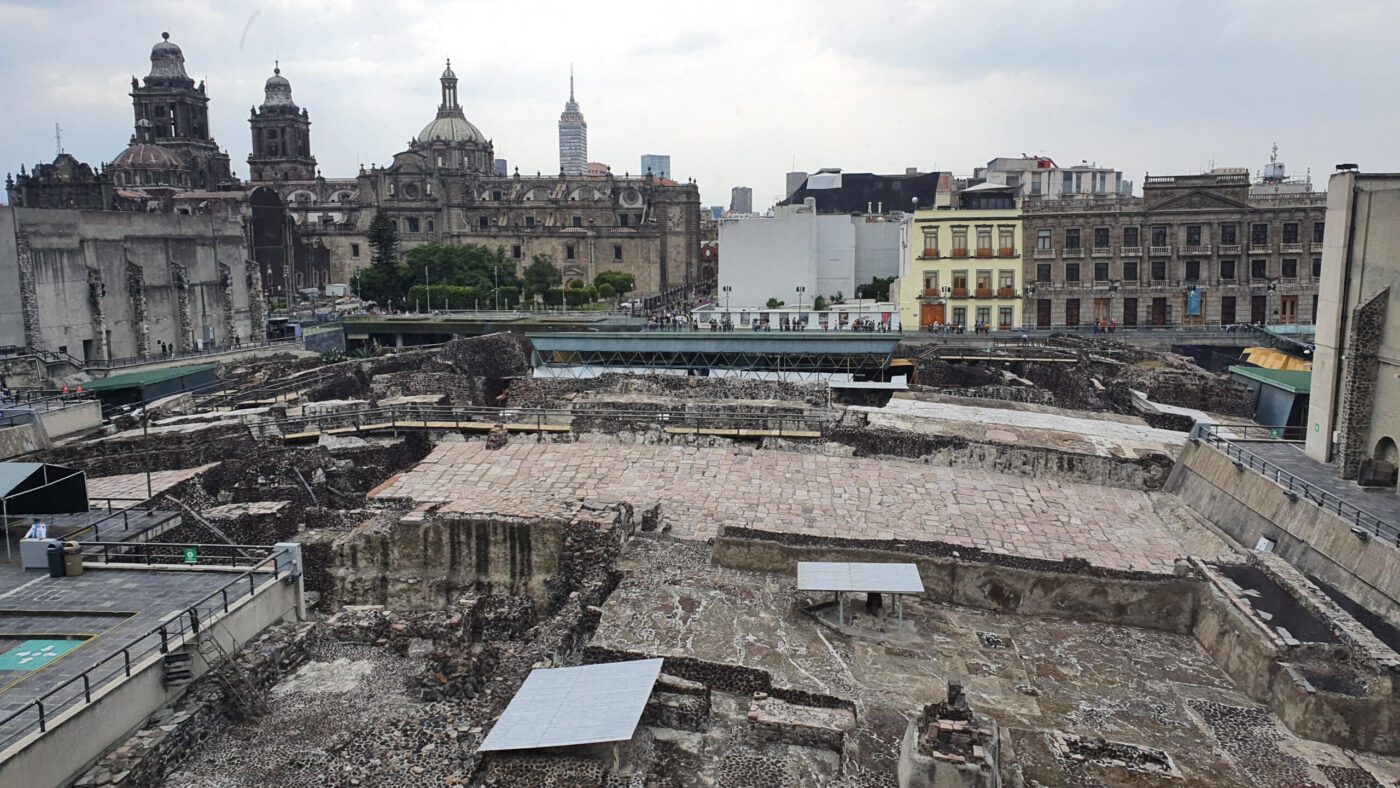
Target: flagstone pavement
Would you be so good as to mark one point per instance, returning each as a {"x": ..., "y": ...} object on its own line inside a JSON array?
[{"x": 702, "y": 490}]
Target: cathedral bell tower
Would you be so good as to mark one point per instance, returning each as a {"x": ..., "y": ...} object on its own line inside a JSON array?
[
  {"x": 178, "y": 113},
  {"x": 281, "y": 136}
]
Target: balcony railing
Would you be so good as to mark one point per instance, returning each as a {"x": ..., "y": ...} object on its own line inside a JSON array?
[
  {"x": 1229, "y": 249},
  {"x": 984, "y": 292},
  {"x": 1130, "y": 251},
  {"x": 1044, "y": 254},
  {"x": 1260, "y": 248},
  {"x": 928, "y": 253},
  {"x": 1077, "y": 251},
  {"x": 929, "y": 292},
  {"x": 1199, "y": 250},
  {"x": 1006, "y": 251},
  {"x": 960, "y": 292},
  {"x": 1006, "y": 292},
  {"x": 984, "y": 251},
  {"x": 960, "y": 253},
  {"x": 1292, "y": 248},
  {"x": 1101, "y": 251},
  {"x": 1159, "y": 251}
]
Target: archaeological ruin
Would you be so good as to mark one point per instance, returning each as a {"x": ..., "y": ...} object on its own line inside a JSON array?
[{"x": 1110, "y": 598}]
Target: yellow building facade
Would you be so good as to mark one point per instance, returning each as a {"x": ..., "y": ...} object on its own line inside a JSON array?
[{"x": 962, "y": 268}]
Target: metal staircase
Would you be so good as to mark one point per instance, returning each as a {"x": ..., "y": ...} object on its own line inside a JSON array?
[{"x": 244, "y": 698}]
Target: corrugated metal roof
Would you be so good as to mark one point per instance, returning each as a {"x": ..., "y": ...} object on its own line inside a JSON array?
[
  {"x": 138, "y": 379},
  {"x": 1290, "y": 379}
]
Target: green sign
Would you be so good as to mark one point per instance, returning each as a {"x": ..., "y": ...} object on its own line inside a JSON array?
[
  {"x": 191, "y": 555},
  {"x": 34, "y": 654}
]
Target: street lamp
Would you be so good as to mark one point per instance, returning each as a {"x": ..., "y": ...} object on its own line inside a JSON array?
[
  {"x": 727, "y": 290},
  {"x": 427, "y": 289},
  {"x": 800, "y": 291},
  {"x": 496, "y": 272}
]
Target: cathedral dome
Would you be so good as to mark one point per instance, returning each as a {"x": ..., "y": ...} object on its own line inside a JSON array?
[
  {"x": 147, "y": 156},
  {"x": 450, "y": 128},
  {"x": 277, "y": 91},
  {"x": 167, "y": 60}
]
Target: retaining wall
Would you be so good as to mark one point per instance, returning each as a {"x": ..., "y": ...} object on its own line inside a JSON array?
[{"x": 1246, "y": 506}]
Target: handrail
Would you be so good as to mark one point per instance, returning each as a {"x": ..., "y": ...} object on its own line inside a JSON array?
[
  {"x": 187, "y": 621},
  {"x": 1362, "y": 520},
  {"x": 157, "y": 358}
]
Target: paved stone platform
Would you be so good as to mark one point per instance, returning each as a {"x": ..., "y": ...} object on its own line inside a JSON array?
[
  {"x": 702, "y": 490},
  {"x": 132, "y": 486}
]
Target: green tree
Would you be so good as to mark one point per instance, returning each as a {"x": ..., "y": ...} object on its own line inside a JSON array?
[
  {"x": 622, "y": 283},
  {"x": 878, "y": 289},
  {"x": 509, "y": 296},
  {"x": 540, "y": 275},
  {"x": 383, "y": 236},
  {"x": 819, "y": 303},
  {"x": 606, "y": 291},
  {"x": 839, "y": 298},
  {"x": 774, "y": 302}
]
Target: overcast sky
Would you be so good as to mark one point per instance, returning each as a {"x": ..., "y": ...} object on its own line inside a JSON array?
[{"x": 738, "y": 93}]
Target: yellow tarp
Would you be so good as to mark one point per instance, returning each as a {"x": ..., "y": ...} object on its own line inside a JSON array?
[{"x": 1269, "y": 358}]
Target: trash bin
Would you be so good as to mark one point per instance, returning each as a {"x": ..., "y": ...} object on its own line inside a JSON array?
[
  {"x": 72, "y": 559},
  {"x": 55, "y": 553}
]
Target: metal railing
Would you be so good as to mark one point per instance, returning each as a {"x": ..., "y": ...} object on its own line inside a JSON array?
[
  {"x": 165, "y": 554},
  {"x": 1261, "y": 432},
  {"x": 114, "y": 520},
  {"x": 38, "y": 714},
  {"x": 1361, "y": 520},
  {"x": 158, "y": 358},
  {"x": 447, "y": 417}
]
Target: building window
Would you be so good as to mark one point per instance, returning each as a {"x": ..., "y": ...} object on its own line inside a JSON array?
[
  {"x": 1072, "y": 311},
  {"x": 984, "y": 284},
  {"x": 622, "y": 220},
  {"x": 931, "y": 283},
  {"x": 1042, "y": 272},
  {"x": 1071, "y": 272},
  {"x": 1130, "y": 270},
  {"x": 1006, "y": 239},
  {"x": 1067, "y": 186},
  {"x": 984, "y": 315},
  {"x": 1006, "y": 279},
  {"x": 578, "y": 221},
  {"x": 1290, "y": 268},
  {"x": 439, "y": 160},
  {"x": 482, "y": 221},
  {"x": 496, "y": 196},
  {"x": 984, "y": 241},
  {"x": 1229, "y": 234},
  {"x": 430, "y": 225},
  {"x": 1072, "y": 238},
  {"x": 1101, "y": 272},
  {"x": 1042, "y": 239},
  {"x": 1290, "y": 232},
  {"x": 529, "y": 221},
  {"x": 1100, "y": 237},
  {"x": 1159, "y": 235},
  {"x": 1317, "y": 266},
  {"x": 1317, "y": 231},
  {"x": 1227, "y": 269},
  {"x": 428, "y": 189},
  {"x": 959, "y": 315},
  {"x": 1193, "y": 270},
  {"x": 1159, "y": 270},
  {"x": 354, "y": 250},
  {"x": 1259, "y": 234},
  {"x": 1258, "y": 268},
  {"x": 391, "y": 189},
  {"x": 569, "y": 252},
  {"x": 930, "y": 242},
  {"x": 1193, "y": 235},
  {"x": 516, "y": 252},
  {"x": 960, "y": 241},
  {"x": 1004, "y": 318},
  {"x": 617, "y": 251},
  {"x": 960, "y": 284},
  {"x": 412, "y": 224},
  {"x": 1130, "y": 237}
]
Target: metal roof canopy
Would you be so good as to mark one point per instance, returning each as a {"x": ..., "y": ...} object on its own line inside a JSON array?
[
  {"x": 872, "y": 578},
  {"x": 42, "y": 488},
  {"x": 590, "y": 704}
]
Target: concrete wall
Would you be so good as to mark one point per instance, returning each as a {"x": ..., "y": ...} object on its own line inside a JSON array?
[
  {"x": 77, "y": 417},
  {"x": 1246, "y": 506},
  {"x": 877, "y": 249},
  {"x": 764, "y": 257},
  {"x": 104, "y": 282},
  {"x": 1360, "y": 260},
  {"x": 1166, "y": 604},
  {"x": 20, "y": 439},
  {"x": 836, "y": 257},
  {"x": 82, "y": 734}
]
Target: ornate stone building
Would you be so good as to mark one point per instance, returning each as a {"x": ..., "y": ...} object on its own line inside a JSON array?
[
  {"x": 177, "y": 112},
  {"x": 281, "y": 135},
  {"x": 1204, "y": 250},
  {"x": 444, "y": 189},
  {"x": 66, "y": 183}
]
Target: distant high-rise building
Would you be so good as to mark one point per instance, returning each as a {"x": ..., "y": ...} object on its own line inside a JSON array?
[
  {"x": 741, "y": 200},
  {"x": 573, "y": 136},
  {"x": 656, "y": 164},
  {"x": 501, "y": 167},
  {"x": 597, "y": 169},
  {"x": 794, "y": 182}
]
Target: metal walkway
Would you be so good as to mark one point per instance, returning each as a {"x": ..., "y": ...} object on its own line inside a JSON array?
[{"x": 776, "y": 352}]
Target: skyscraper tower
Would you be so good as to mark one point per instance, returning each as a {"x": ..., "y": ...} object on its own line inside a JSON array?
[
  {"x": 281, "y": 135},
  {"x": 573, "y": 136}
]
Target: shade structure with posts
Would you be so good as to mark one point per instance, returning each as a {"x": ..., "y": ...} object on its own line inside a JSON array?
[
  {"x": 40, "y": 488},
  {"x": 841, "y": 577}
]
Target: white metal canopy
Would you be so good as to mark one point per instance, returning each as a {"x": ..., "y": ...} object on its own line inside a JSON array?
[
  {"x": 589, "y": 704},
  {"x": 871, "y": 578}
]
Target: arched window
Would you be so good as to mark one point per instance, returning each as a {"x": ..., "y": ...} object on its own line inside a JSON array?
[{"x": 391, "y": 188}]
